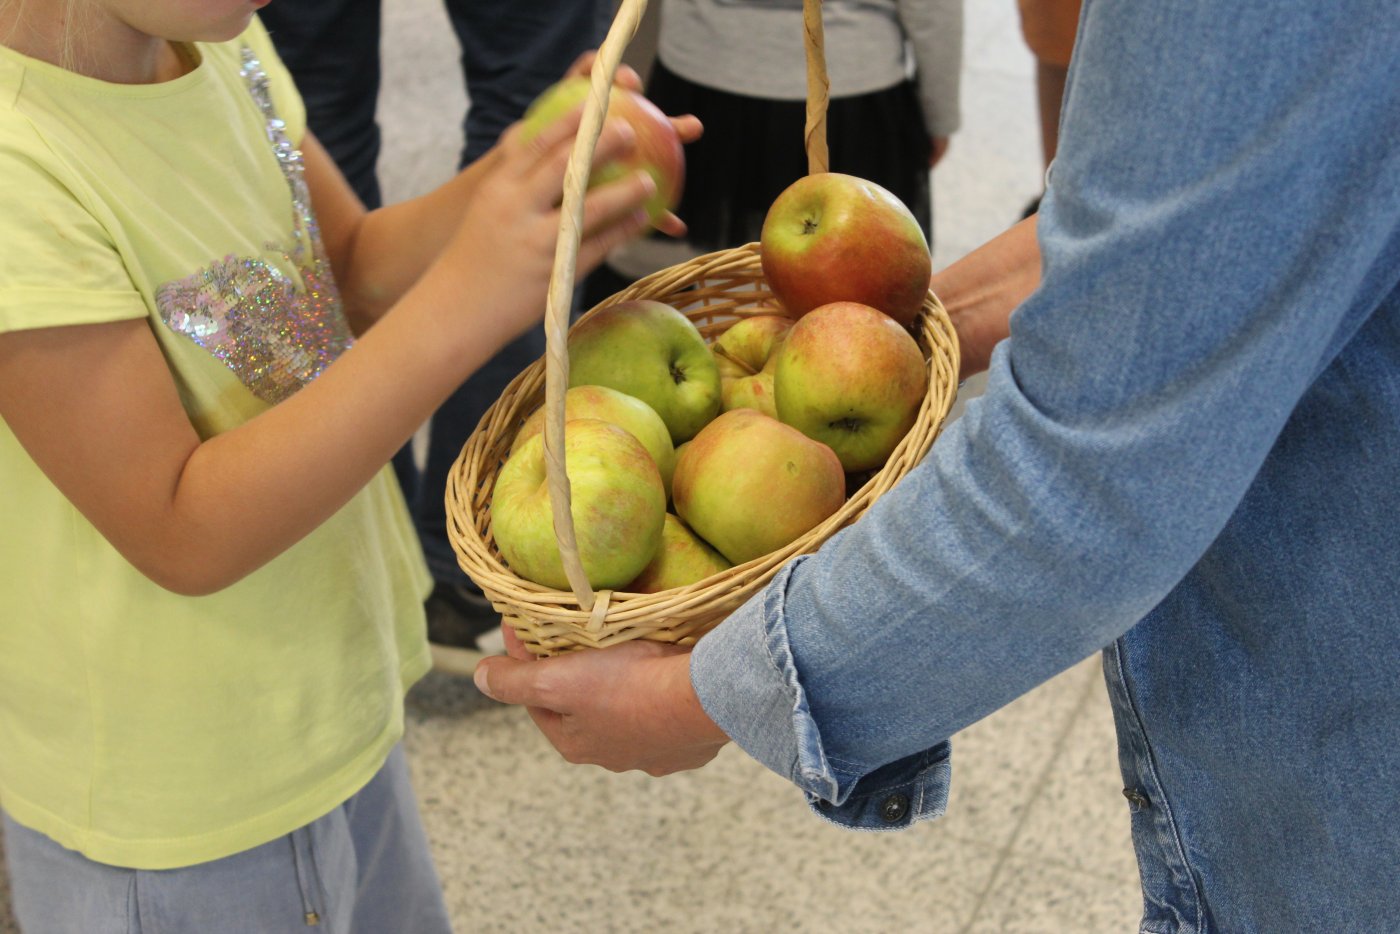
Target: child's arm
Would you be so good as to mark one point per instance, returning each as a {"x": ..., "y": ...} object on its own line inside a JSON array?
[
  {"x": 378, "y": 255},
  {"x": 97, "y": 409}
]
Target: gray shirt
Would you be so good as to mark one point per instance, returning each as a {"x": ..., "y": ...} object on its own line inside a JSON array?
[{"x": 755, "y": 48}]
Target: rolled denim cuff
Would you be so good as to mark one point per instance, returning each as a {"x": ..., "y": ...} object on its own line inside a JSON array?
[
  {"x": 742, "y": 671},
  {"x": 896, "y": 795},
  {"x": 744, "y": 675}
]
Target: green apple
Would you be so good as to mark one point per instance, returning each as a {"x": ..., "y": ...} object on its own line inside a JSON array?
[
  {"x": 617, "y": 503},
  {"x": 851, "y": 378},
  {"x": 648, "y": 350},
  {"x": 622, "y": 410},
  {"x": 683, "y": 558},
  {"x": 744, "y": 355},
  {"x": 657, "y": 150},
  {"x": 748, "y": 484},
  {"x": 837, "y": 238}
]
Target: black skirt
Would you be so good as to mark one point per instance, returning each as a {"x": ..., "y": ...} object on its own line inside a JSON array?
[{"x": 753, "y": 149}]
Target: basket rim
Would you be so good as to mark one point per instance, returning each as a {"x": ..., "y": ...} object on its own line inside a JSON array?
[{"x": 527, "y": 604}]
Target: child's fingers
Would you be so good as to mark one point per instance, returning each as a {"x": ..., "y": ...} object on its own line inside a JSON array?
[
  {"x": 582, "y": 65},
  {"x": 614, "y": 203},
  {"x": 524, "y": 154},
  {"x": 594, "y": 249},
  {"x": 625, "y": 77},
  {"x": 670, "y": 225},
  {"x": 547, "y": 175},
  {"x": 615, "y": 218}
]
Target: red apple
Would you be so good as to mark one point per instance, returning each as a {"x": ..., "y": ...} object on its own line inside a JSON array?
[
  {"x": 837, "y": 238},
  {"x": 657, "y": 151},
  {"x": 748, "y": 484},
  {"x": 745, "y": 355},
  {"x": 851, "y": 378}
]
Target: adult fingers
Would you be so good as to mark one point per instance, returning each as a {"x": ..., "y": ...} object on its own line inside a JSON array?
[
  {"x": 510, "y": 681},
  {"x": 688, "y": 127},
  {"x": 514, "y": 647}
]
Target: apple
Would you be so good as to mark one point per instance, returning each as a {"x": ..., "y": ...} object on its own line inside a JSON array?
[
  {"x": 657, "y": 150},
  {"x": 617, "y": 502},
  {"x": 648, "y": 350},
  {"x": 748, "y": 484},
  {"x": 744, "y": 355},
  {"x": 832, "y": 238},
  {"x": 851, "y": 378},
  {"x": 683, "y": 558},
  {"x": 620, "y": 409}
]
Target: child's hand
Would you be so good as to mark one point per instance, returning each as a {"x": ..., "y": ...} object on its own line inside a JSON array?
[
  {"x": 688, "y": 127},
  {"x": 500, "y": 259}
]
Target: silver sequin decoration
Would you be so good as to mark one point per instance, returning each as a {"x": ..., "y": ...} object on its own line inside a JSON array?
[{"x": 275, "y": 320}]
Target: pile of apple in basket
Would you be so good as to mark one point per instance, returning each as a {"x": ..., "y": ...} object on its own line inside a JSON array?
[{"x": 686, "y": 458}]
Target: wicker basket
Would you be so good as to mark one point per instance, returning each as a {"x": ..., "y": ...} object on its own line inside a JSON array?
[{"x": 713, "y": 291}]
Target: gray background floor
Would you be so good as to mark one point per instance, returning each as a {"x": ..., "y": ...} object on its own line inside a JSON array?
[{"x": 1036, "y": 837}]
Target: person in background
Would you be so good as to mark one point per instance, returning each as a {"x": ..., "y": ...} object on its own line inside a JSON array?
[
  {"x": 740, "y": 66},
  {"x": 510, "y": 53},
  {"x": 211, "y": 603},
  {"x": 1185, "y": 459},
  {"x": 1048, "y": 27}
]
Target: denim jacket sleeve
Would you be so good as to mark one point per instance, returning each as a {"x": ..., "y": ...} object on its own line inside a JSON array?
[{"x": 1218, "y": 228}]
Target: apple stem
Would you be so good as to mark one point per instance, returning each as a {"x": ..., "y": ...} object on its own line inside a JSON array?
[{"x": 719, "y": 349}]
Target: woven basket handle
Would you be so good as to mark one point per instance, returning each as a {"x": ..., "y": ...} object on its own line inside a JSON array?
[{"x": 561, "y": 284}]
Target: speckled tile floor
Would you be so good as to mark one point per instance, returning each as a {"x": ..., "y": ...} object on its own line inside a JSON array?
[{"x": 1036, "y": 836}]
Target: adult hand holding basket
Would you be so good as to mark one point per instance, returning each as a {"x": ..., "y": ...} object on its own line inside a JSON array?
[{"x": 713, "y": 291}]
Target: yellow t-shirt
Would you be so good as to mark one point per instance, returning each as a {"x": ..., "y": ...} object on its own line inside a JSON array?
[{"x": 139, "y": 727}]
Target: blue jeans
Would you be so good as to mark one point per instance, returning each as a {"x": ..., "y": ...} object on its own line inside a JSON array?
[
  {"x": 510, "y": 53},
  {"x": 364, "y": 868}
]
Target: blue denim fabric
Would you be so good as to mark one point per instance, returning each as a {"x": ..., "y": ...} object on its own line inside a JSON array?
[
  {"x": 1187, "y": 455},
  {"x": 364, "y": 868}
]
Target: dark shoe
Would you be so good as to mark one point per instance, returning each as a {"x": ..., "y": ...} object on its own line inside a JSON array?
[{"x": 463, "y": 628}]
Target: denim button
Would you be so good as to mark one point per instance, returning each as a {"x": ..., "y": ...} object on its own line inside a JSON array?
[
  {"x": 1136, "y": 799},
  {"x": 894, "y": 808}
]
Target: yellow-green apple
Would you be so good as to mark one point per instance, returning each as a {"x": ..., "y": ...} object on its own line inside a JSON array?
[
  {"x": 851, "y": 378},
  {"x": 657, "y": 150},
  {"x": 649, "y": 350},
  {"x": 683, "y": 558},
  {"x": 622, "y": 410},
  {"x": 617, "y": 503},
  {"x": 744, "y": 355},
  {"x": 838, "y": 238},
  {"x": 748, "y": 484}
]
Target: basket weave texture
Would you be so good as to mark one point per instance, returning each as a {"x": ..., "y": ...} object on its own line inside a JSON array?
[{"x": 713, "y": 291}]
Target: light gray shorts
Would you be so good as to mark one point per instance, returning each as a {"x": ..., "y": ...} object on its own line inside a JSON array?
[{"x": 364, "y": 868}]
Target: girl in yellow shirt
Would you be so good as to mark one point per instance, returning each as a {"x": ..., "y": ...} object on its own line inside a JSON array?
[{"x": 210, "y": 595}]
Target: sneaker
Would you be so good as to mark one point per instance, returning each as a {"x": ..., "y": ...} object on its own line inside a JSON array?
[{"x": 463, "y": 628}]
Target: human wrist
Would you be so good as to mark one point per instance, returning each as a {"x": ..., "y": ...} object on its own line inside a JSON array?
[{"x": 690, "y": 715}]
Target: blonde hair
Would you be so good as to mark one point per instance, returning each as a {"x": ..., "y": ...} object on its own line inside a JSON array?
[{"x": 66, "y": 56}]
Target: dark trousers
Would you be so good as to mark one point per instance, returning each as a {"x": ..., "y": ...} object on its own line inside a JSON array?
[{"x": 511, "y": 51}]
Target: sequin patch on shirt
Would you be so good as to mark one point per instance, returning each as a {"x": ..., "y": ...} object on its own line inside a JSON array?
[{"x": 275, "y": 325}]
